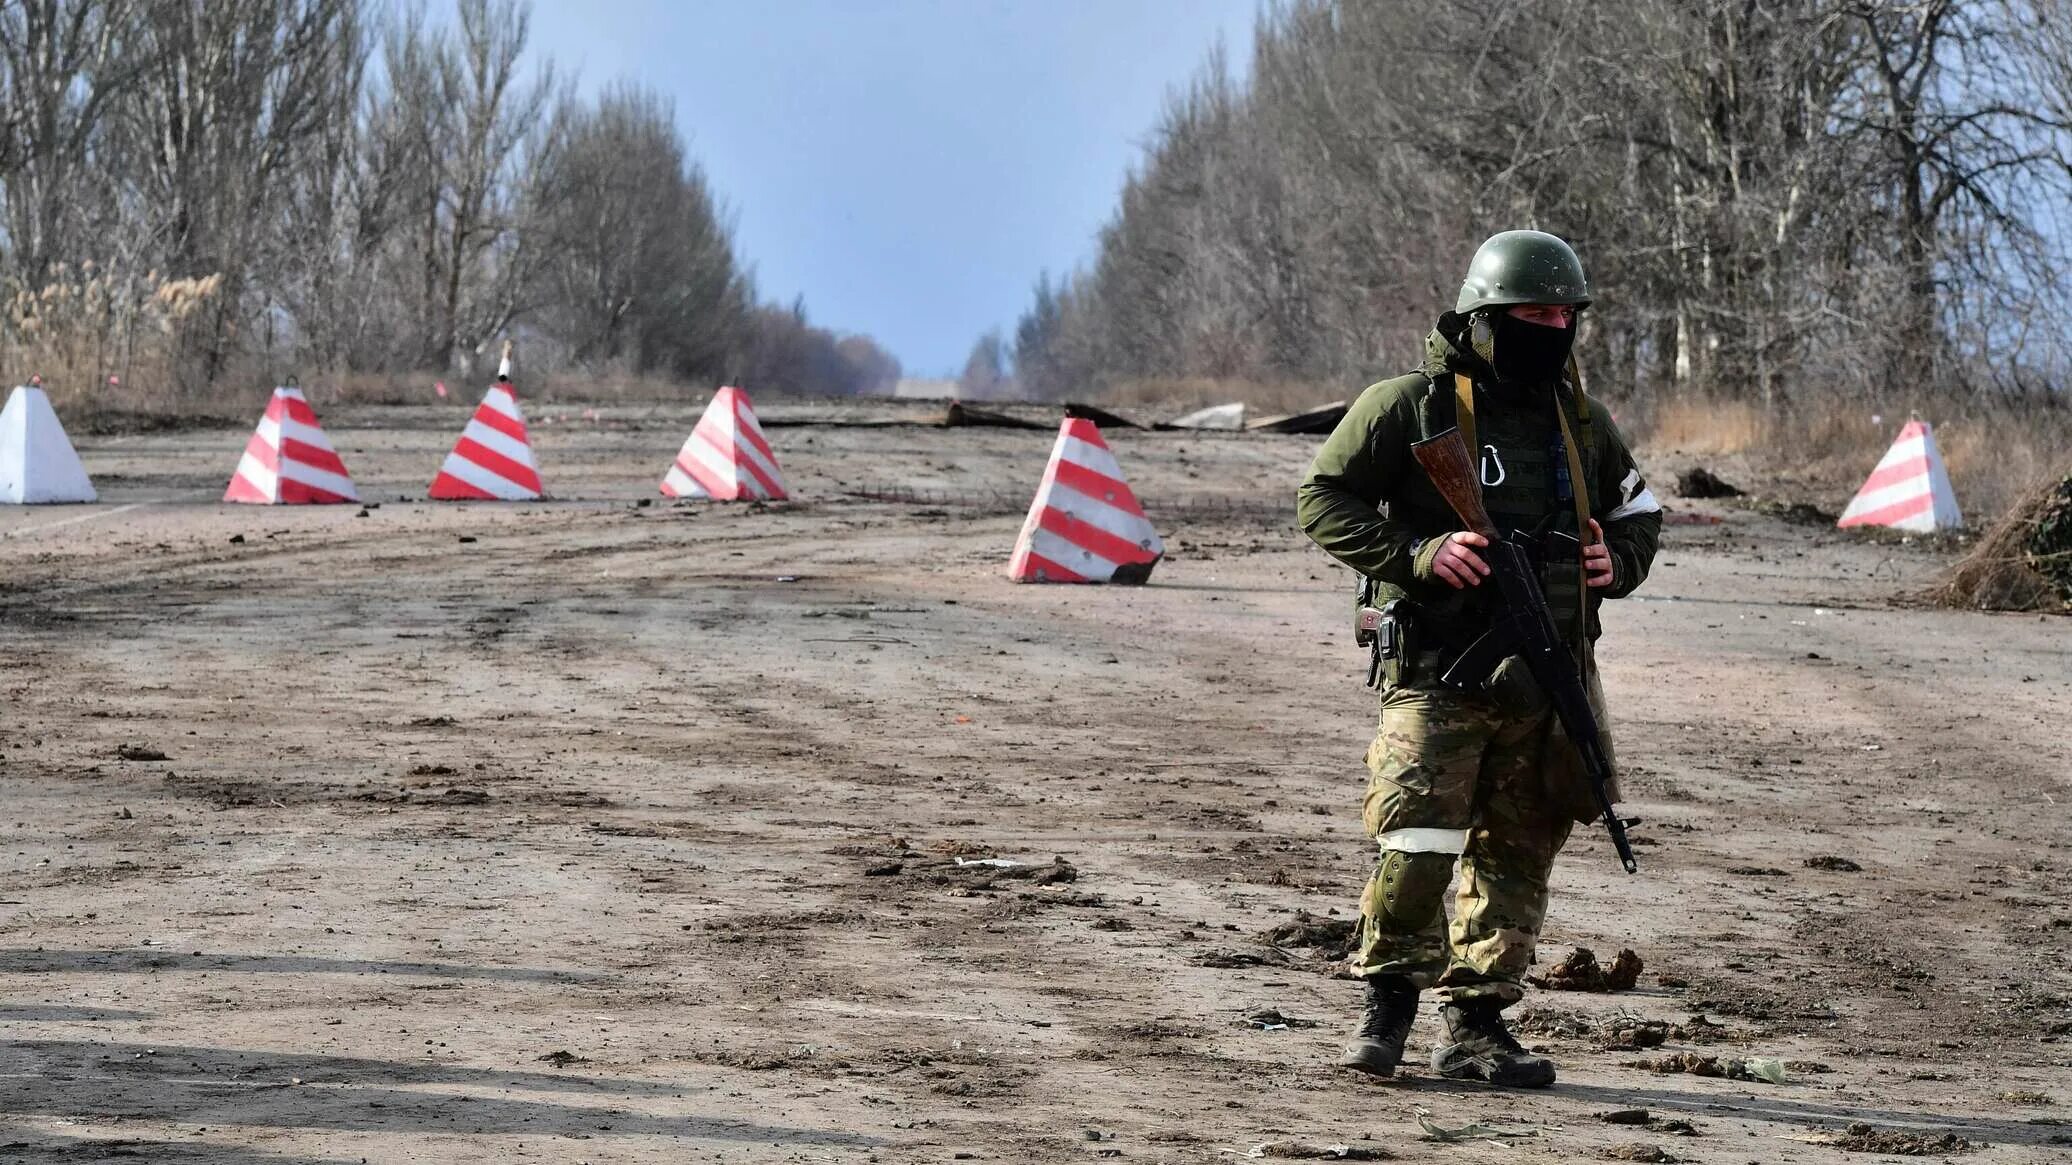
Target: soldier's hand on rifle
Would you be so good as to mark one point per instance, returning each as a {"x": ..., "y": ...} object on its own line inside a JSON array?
[
  {"x": 1597, "y": 558},
  {"x": 1457, "y": 562}
]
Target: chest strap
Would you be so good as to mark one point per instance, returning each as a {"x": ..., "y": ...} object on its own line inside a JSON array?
[{"x": 1464, "y": 418}]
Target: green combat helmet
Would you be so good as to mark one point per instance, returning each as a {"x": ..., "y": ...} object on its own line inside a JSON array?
[{"x": 1523, "y": 267}]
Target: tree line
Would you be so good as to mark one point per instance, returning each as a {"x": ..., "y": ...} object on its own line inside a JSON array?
[
  {"x": 1777, "y": 200},
  {"x": 210, "y": 190}
]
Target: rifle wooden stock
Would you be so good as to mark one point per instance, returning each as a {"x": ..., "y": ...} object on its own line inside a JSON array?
[{"x": 1450, "y": 464}]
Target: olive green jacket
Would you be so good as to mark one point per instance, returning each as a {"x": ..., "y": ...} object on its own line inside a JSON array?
[{"x": 1368, "y": 503}]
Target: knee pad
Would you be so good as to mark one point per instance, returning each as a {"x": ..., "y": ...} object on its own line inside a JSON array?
[{"x": 1413, "y": 888}]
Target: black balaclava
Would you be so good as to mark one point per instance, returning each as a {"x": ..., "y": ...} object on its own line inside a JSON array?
[{"x": 1522, "y": 352}]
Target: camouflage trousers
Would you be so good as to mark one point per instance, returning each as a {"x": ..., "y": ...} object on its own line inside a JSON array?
[{"x": 1454, "y": 780}]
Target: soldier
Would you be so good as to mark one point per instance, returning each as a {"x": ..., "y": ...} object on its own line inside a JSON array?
[{"x": 1484, "y": 778}]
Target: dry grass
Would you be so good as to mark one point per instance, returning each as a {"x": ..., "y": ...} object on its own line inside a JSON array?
[
  {"x": 1719, "y": 428},
  {"x": 1996, "y": 575},
  {"x": 1997, "y": 453}
]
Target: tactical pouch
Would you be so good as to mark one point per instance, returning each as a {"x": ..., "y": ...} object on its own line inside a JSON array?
[
  {"x": 1397, "y": 644},
  {"x": 1514, "y": 691}
]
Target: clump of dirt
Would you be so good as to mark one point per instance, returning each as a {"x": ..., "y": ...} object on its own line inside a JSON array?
[
  {"x": 750, "y": 924},
  {"x": 1025, "y": 905},
  {"x": 991, "y": 1081},
  {"x": 1749, "y": 1002},
  {"x": 1831, "y": 862},
  {"x": 1548, "y": 1021},
  {"x": 1796, "y": 513},
  {"x": 1616, "y": 1033},
  {"x": 1700, "y": 482},
  {"x": 1327, "y": 938},
  {"x": 962, "y": 849},
  {"x": 1271, "y": 1018},
  {"x": 760, "y": 1061},
  {"x": 1227, "y": 960},
  {"x": 1863, "y": 1138},
  {"x": 1636, "y": 1035},
  {"x": 1720, "y": 1067},
  {"x": 970, "y": 868},
  {"x": 1581, "y": 971}
]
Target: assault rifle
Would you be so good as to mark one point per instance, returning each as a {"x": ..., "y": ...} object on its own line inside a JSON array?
[{"x": 1524, "y": 627}]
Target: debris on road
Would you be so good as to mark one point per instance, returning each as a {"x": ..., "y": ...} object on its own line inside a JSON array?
[
  {"x": 1272, "y": 1020},
  {"x": 1758, "y": 1068},
  {"x": 1230, "y": 418},
  {"x": 1327, "y": 938},
  {"x": 1581, "y": 971},
  {"x": 1472, "y": 1131},
  {"x": 1700, "y": 482},
  {"x": 1303, "y": 1151},
  {"x": 959, "y": 415},
  {"x": 1867, "y": 1138},
  {"x": 1322, "y": 419},
  {"x": 1101, "y": 417}
]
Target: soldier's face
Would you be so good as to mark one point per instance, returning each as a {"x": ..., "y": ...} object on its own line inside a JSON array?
[{"x": 1551, "y": 315}]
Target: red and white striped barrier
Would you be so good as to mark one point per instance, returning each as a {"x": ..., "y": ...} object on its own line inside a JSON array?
[
  {"x": 1085, "y": 525},
  {"x": 289, "y": 461},
  {"x": 1909, "y": 490},
  {"x": 492, "y": 461},
  {"x": 726, "y": 457}
]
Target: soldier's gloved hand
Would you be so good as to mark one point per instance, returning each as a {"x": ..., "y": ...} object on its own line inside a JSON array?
[
  {"x": 1597, "y": 559},
  {"x": 1456, "y": 562}
]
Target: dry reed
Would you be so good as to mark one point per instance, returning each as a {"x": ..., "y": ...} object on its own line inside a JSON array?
[{"x": 1999, "y": 574}]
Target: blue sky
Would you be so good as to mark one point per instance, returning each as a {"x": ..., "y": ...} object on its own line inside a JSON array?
[{"x": 908, "y": 166}]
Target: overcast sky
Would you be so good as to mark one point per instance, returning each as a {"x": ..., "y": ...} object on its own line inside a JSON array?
[{"x": 908, "y": 166}]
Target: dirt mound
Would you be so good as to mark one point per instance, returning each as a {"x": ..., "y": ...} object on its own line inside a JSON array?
[
  {"x": 1863, "y": 1138},
  {"x": 1700, "y": 482},
  {"x": 1581, "y": 971},
  {"x": 1753, "y": 1068},
  {"x": 2024, "y": 563},
  {"x": 1328, "y": 938}
]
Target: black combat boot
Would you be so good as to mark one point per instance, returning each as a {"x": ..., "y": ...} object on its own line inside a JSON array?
[
  {"x": 1482, "y": 1048},
  {"x": 1377, "y": 1047}
]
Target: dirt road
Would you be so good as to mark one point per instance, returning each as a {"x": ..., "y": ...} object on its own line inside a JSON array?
[{"x": 593, "y": 831}]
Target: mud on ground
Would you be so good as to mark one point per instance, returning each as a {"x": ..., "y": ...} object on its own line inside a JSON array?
[{"x": 657, "y": 833}]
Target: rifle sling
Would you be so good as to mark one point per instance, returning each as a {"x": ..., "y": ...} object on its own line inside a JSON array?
[{"x": 1581, "y": 493}]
